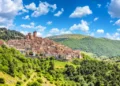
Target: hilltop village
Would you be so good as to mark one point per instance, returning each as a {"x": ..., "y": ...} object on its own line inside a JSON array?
[{"x": 32, "y": 45}]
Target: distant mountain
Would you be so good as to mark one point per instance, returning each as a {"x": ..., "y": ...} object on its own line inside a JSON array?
[
  {"x": 98, "y": 46},
  {"x": 6, "y": 34}
]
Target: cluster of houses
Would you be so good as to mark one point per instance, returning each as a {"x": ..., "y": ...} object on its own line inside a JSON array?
[{"x": 37, "y": 46}]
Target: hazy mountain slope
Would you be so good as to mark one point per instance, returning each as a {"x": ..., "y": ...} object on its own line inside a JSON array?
[
  {"x": 10, "y": 34},
  {"x": 98, "y": 46}
]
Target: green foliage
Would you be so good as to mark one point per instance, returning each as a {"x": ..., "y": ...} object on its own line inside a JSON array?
[
  {"x": 10, "y": 34},
  {"x": 35, "y": 83},
  {"x": 94, "y": 72},
  {"x": 97, "y": 46},
  {"x": 40, "y": 80},
  {"x": 79, "y": 72},
  {"x": 18, "y": 83}
]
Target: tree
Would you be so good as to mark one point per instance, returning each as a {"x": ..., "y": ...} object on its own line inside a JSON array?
[{"x": 2, "y": 80}]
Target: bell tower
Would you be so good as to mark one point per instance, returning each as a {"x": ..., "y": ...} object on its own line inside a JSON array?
[{"x": 35, "y": 34}]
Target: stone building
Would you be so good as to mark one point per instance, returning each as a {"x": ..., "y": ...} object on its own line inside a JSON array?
[{"x": 43, "y": 46}]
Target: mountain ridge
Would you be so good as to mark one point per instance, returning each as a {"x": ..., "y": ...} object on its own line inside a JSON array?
[{"x": 97, "y": 46}]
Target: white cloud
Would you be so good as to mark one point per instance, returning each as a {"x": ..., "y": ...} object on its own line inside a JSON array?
[
  {"x": 64, "y": 31},
  {"x": 8, "y": 10},
  {"x": 113, "y": 8},
  {"x": 32, "y": 25},
  {"x": 100, "y": 31},
  {"x": 117, "y": 22},
  {"x": 59, "y": 12},
  {"x": 23, "y": 11},
  {"x": 111, "y": 21},
  {"x": 31, "y": 6},
  {"x": 39, "y": 34},
  {"x": 99, "y": 5},
  {"x": 49, "y": 22},
  {"x": 115, "y": 36},
  {"x": 118, "y": 29},
  {"x": 27, "y": 17},
  {"x": 43, "y": 9},
  {"x": 95, "y": 19},
  {"x": 83, "y": 26},
  {"x": 92, "y": 34},
  {"x": 40, "y": 28},
  {"x": 24, "y": 32},
  {"x": 80, "y": 12},
  {"x": 54, "y": 30}
]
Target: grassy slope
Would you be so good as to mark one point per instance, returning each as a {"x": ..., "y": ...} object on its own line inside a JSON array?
[
  {"x": 9, "y": 80},
  {"x": 98, "y": 46}
]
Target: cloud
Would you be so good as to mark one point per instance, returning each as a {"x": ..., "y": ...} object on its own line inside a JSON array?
[
  {"x": 39, "y": 34},
  {"x": 56, "y": 31},
  {"x": 64, "y": 31},
  {"x": 83, "y": 26},
  {"x": 22, "y": 11},
  {"x": 115, "y": 36},
  {"x": 26, "y": 17},
  {"x": 32, "y": 25},
  {"x": 8, "y": 10},
  {"x": 80, "y": 12},
  {"x": 43, "y": 9},
  {"x": 24, "y": 32},
  {"x": 113, "y": 8},
  {"x": 118, "y": 29},
  {"x": 99, "y": 5},
  {"x": 92, "y": 34},
  {"x": 40, "y": 28},
  {"x": 111, "y": 21},
  {"x": 59, "y": 12},
  {"x": 49, "y": 22},
  {"x": 100, "y": 31},
  {"x": 117, "y": 22},
  {"x": 31, "y": 6},
  {"x": 95, "y": 19}
]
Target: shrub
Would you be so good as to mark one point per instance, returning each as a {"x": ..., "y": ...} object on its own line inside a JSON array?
[
  {"x": 34, "y": 84},
  {"x": 40, "y": 80},
  {"x": 2, "y": 80},
  {"x": 18, "y": 83}
]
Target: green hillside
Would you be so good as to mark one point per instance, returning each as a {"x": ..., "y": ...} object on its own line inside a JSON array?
[
  {"x": 98, "y": 46},
  {"x": 6, "y": 34},
  {"x": 18, "y": 70}
]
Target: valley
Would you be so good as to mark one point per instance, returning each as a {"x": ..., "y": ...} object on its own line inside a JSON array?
[{"x": 18, "y": 68}]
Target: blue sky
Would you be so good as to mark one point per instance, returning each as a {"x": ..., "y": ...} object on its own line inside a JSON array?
[{"x": 99, "y": 18}]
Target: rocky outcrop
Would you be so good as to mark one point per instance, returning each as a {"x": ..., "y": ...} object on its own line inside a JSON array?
[{"x": 43, "y": 47}]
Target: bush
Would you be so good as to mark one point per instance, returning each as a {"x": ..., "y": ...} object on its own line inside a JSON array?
[
  {"x": 34, "y": 84},
  {"x": 40, "y": 80},
  {"x": 2, "y": 80},
  {"x": 18, "y": 83}
]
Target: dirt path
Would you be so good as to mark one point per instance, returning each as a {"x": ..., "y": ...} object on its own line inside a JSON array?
[
  {"x": 30, "y": 79},
  {"x": 46, "y": 82}
]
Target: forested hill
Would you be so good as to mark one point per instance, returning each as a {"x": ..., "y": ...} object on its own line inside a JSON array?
[
  {"x": 98, "y": 46},
  {"x": 16, "y": 70},
  {"x": 6, "y": 34}
]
